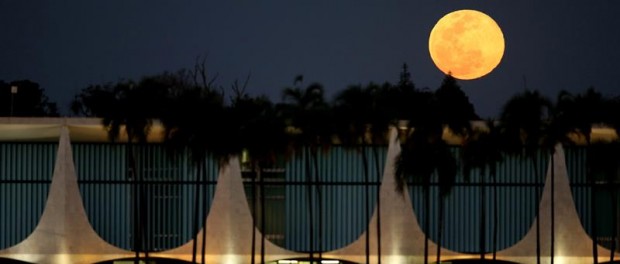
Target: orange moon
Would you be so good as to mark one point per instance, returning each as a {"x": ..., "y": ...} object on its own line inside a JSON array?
[{"x": 467, "y": 44}]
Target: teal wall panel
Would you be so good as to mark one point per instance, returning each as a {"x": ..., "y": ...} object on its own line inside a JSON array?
[
  {"x": 26, "y": 170},
  {"x": 169, "y": 187},
  {"x": 577, "y": 168},
  {"x": 343, "y": 198},
  {"x": 516, "y": 198}
]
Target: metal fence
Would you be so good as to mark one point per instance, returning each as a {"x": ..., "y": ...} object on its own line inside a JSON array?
[
  {"x": 516, "y": 185},
  {"x": 601, "y": 190},
  {"x": 169, "y": 186},
  {"x": 339, "y": 215}
]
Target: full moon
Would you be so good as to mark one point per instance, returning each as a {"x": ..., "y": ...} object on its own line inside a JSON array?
[{"x": 467, "y": 44}]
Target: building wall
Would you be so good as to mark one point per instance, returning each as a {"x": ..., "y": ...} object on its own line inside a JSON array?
[
  {"x": 26, "y": 170},
  {"x": 168, "y": 189},
  {"x": 25, "y": 174}
]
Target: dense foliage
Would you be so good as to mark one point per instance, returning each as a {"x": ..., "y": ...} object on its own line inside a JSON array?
[
  {"x": 25, "y": 99},
  {"x": 200, "y": 117}
]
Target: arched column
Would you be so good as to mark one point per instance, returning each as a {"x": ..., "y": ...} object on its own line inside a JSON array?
[
  {"x": 64, "y": 234},
  {"x": 229, "y": 226},
  {"x": 402, "y": 238},
  {"x": 572, "y": 243}
]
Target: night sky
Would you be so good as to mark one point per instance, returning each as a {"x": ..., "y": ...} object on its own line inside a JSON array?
[{"x": 67, "y": 45}]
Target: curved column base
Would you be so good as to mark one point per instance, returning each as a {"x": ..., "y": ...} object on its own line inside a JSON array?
[
  {"x": 64, "y": 234},
  {"x": 229, "y": 226},
  {"x": 572, "y": 243},
  {"x": 402, "y": 238}
]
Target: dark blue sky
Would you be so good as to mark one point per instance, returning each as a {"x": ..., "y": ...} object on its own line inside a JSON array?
[{"x": 67, "y": 45}]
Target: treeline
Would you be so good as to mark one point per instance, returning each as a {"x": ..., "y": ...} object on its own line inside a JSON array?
[
  {"x": 191, "y": 96},
  {"x": 199, "y": 116},
  {"x": 25, "y": 98}
]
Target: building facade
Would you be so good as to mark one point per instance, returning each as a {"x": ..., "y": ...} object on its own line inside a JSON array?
[{"x": 275, "y": 203}]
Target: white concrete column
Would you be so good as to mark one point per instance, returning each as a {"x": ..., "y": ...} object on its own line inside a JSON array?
[
  {"x": 229, "y": 226},
  {"x": 572, "y": 243},
  {"x": 64, "y": 234},
  {"x": 402, "y": 238}
]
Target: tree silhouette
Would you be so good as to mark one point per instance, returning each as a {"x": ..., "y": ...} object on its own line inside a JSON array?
[
  {"x": 94, "y": 101},
  {"x": 454, "y": 107},
  {"x": 482, "y": 151},
  {"x": 380, "y": 122},
  {"x": 577, "y": 114},
  {"x": 425, "y": 153},
  {"x": 306, "y": 110},
  {"x": 129, "y": 107},
  {"x": 613, "y": 106},
  {"x": 262, "y": 133},
  {"x": 353, "y": 108},
  {"x": 524, "y": 119},
  {"x": 25, "y": 99},
  {"x": 605, "y": 167},
  {"x": 455, "y": 112},
  {"x": 198, "y": 122}
]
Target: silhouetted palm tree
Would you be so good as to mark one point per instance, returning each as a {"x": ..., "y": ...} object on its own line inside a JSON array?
[
  {"x": 129, "y": 107},
  {"x": 454, "y": 109},
  {"x": 128, "y": 114},
  {"x": 199, "y": 123},
  {"x": 524, "y": 119},
  {"x": 380, "y": 121},
  {"x": 606, "y": 168},
  {"x": 578, "y": 114},
  {"x": 425, "y": 153},
  {"x": 456, "y": 113},
  {"x": 262, "y": 134},
  {"x": 307, "y": 111},
  {"x": 353, "y": 111},
  {"x": 482, "y": 151},
  {"x": 612, "y": 119}
]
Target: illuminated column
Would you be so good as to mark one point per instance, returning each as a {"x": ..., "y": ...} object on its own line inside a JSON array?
[
  {"x": 229, "y": 226},
  {"x": 64, "y": 234},
  {"x": 402, "y": 239},
  {"x": 572, "y": 243}
]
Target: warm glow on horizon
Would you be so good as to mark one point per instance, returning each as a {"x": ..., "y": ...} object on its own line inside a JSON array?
[{"x": 468, "y": 44}]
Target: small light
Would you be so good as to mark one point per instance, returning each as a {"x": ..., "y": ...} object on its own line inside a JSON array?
[
  {"x": 245, "y": 156},
  {"x": 330, "y": 261},
  {"x": 13, "y": 89}
]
